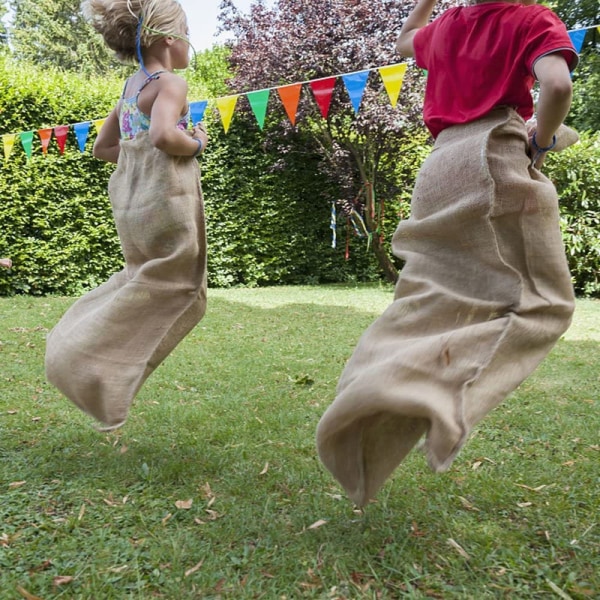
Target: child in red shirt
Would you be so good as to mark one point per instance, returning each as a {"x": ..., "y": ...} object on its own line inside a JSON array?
[{"x": 485, "y": 291}]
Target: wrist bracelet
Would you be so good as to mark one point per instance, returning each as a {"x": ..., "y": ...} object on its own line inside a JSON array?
[
  {"x": 200, "y": 146},
  {"x": 542, "y": 150}
]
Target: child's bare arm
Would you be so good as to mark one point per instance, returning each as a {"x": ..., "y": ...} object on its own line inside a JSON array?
[
  {"x": 417, "y": 19},
  {"x": 170, "y": 100},
  {"x": 106, "y": 146},
  {"x": 554, "y": 101}
]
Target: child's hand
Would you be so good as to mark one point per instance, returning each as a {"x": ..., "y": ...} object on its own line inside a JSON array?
[{"x": 199, "y": 133}]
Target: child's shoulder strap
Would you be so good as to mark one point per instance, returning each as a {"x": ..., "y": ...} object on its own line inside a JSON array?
[{"x": 151, "y": 77}]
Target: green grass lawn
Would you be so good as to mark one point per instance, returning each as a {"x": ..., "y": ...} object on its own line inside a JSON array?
[{"x": 213, "y": 489}]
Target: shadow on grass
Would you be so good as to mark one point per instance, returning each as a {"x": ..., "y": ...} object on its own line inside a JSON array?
[{"x": 228, "y": 421}]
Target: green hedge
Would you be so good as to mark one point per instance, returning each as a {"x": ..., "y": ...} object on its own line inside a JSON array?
[
  {"x": 576, "y": 175},
  {"x": 268, "y": 207}
]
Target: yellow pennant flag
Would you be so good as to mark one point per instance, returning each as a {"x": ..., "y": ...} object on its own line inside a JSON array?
[
  {"x": 9, "y": 143},
  {"x": 393, "y": 76},
  {"x": 98, "y": 124},
  {"x": 226, "y": 106}
]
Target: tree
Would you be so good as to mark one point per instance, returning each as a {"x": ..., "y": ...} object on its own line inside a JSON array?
[
  {"x": 3, "y": 31},
  {"x": 55, "y": 33},
  {"x": 300, "y": 40},
  {"x": 585, "y": 111}
]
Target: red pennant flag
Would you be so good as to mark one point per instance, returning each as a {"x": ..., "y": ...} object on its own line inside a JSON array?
[
  {"x": 61, "y": 133},
  {"x": 45, "y": 137},
  {"x": 323, "y": 91},
  {"x": 290, "y": 96}
]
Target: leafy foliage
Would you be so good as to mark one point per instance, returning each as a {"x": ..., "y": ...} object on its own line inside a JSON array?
[
  {"x": 585, "y": 111},
  {"x": 56, "y": 220},
  {"x": 55, "y": 33},
  {"x": 576, "y": 174},
  {"x": 309, "y": 39}
]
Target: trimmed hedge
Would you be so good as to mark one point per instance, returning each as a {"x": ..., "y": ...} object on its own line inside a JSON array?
[{"x": 268, "y": 209}]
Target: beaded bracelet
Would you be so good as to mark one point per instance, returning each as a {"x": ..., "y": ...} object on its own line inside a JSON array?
[
  {"x": 200, "y": 145},
  {"x": 542, "y": 150},
  {"x": 539, "y": 151}
]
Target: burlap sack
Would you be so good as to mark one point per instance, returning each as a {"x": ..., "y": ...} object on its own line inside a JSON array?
[
  {"x": 484, "y": 294},
  {"x": 109, "y": 341}
]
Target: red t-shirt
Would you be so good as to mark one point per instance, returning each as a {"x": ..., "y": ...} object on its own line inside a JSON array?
[{"x": 482, "y": 56}]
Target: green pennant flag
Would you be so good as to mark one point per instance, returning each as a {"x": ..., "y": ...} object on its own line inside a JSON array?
[
  {"x": 258, "y": 102},
  {"x": 27, "y": 142}
]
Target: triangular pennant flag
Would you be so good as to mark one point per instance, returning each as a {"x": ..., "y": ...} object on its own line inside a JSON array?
[
  {"x": 197, "y": 111},
  {"x": 290, "y": 96},
  {"x": 258, "y": 103},
  {"x": 9, "y": 143},
  {"x": 45, "y": 137},
  {"x": 392, "y": 77},
  {"x": 598, "y": 29},
  {"x": 226, "y": 106},
  {"x": 27, "y": 142},
  {"x": 355, "y": 86},
  {"x": 60, "y": 133},
  {"x": 82, "y": 131},
  {"x": 98, "y": 123},
  {"x": 577, "y": 38},
  {"x": 323, "y": 91}
]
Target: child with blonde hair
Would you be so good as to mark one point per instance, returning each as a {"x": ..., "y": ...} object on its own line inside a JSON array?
[
  {"x": 485, "y": 290},
  {"x": 109, "y": 342}
]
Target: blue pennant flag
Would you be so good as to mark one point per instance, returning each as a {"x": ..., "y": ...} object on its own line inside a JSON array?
[
  {"x": 82, "y": 131},
  {"x": 197, "y": 111},
  {"x": 577, "y": 36},
  {"x": 355, "y": 86}
]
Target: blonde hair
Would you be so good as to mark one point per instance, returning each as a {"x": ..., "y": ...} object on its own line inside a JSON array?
[{"x": 118, "y": 22}]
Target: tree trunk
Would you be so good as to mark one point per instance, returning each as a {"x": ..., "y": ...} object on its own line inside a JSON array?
[{"x": 385, "y": 262}]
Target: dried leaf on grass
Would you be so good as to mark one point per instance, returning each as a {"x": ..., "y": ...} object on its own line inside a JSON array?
[
  {"x": 317, "y": 524},
  {"x": 558, "y": 591},
  {"x": 459, "y": 549},
  {"x": 16, "y": 484},
  {"x": 194, "y": 568},
  {"x": 184, "y": 504},
  {"x": 62, "y": 580},
  {"x": 265, "y": 469},
  {"x": 26, "y": 594}
]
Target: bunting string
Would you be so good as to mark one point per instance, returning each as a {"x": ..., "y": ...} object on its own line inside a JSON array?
[{"x": 322, "y": 90}]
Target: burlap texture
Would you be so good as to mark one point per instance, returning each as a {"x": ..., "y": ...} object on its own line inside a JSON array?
[
  {"x": 110, "y": 340},
  {"x": 484, "y": 294}
]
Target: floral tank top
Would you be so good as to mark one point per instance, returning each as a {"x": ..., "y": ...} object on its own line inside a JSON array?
[{"x": 132, "y": 120}]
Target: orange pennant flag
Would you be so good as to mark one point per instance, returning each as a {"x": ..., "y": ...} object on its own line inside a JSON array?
[
  {"x": 45, "y": 137},
  {"x": 323, "y": 91},
  {"x": 393, "y": 77},
  {"x": 290, "y": 97},
  {"x": 226, "y": 106},
  {"x": 61, "y": 133},
  {"x": 9, "y": 143}
]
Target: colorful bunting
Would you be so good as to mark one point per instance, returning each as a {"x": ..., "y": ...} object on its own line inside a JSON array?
[
  {"x": 27, "y": 142},
  {"x": 577, "y": 38},
  {"x": 333, "y": 226},
  {"x": 393, "y": 77},
  {"x": 290, "y": 97},
  {"x": 82, "y": 131},
  {"x": 323, "y": 92},
  {"x": 9, "y": 143},
  {"x": 355, "y": 86},
  {"x": 258, "y": 102},
  {"x": 197, "y": 110},
  {"x": 226, "y": 106},
  {"x": 45, "y": 137},
  {"x": 322, "y": 89},
  {"x": 60, "y": 133},
  {"x": 98, "y": 123}
]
